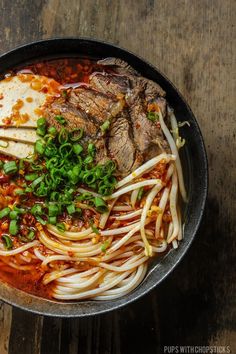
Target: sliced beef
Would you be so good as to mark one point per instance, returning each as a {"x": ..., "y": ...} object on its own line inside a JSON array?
[
  {"x": 151, "y": 88},
  {"x": 121, "y": 146},
  {"x": 96, "y": 104},
  {"x": 139, "y": 94},
  {"x": 75, "y": 117},
  {"x": 120, "y": 66},
  {"x": 117, "y": 85},
  {"x": 123, "y": 97},
  {"x": 147, "y": 134}
]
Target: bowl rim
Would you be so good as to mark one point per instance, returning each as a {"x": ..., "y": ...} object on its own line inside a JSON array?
[{"x": 34, "y": 304}]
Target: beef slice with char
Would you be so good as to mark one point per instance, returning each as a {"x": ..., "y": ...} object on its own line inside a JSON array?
[
  {"x": 121, "y": 146},
  {"x": 151, "y": 88},
  {"x": 116, "y": 85},
  {"x": 140, "y": 92},
  {"x": 147, "y": 134},
  {"x": 76, "y": 118},
  {"x": 96, "y": 104}
]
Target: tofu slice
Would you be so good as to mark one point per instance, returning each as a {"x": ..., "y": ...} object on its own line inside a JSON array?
[
  {"x": 24, "y": 135},
  {"x": 16, "y": 149},
  {"x": 21, "y": 98}
]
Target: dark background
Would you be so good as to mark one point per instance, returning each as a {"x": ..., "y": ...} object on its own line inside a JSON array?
[{"x": 193, "y": 43}]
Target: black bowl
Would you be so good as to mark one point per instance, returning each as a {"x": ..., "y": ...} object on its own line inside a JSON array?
[{"x": 193, "y": 157}]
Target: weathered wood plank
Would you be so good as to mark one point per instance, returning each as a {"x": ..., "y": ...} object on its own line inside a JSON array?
[
  {"x": 25, "y": 332},
  {"x": 51, "y": 335},
  {"x": 5, "y": 327}
]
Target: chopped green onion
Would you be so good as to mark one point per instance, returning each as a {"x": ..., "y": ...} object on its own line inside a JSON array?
[
  {"x": 71, "y": 209},
  {"x": 105, "y": 126},
  {"x": 19, "y": 191},
  {"x": 37, "y": 209},
  {"x": 153, "y": 116},
  {"x": 91, "y": 149},
  {"x": 14, "y": 215},
  {"x": 31, "y": 177},
  {"x": 13, "y": 227},
  {"x": 88, "y": 160},
  {"x": 41, "y": 122},
  {"x": 19, "y": 210},
  {"x": 77, "y": 148},
  {"x": 52, "y": 220},
  {"x": 52, "y": 131},
  {"x": 37, "y": 181},
  {"x": 104, "y": 246},
  {"x": 76, "y": 134},
  {"x": 61, "y": 227},
  {"x": 40, "y": 146},
  {"x": 10, "y": 167},
  {"x": 100, "y": 205},
  {"x": 7, "y": 242},
  {"x": 41, "y": 131},
  {"x": 140, "y": 194},
  {"x": 53, "y": 210},
  {"x": 95, "y": 229},
  {"x": 4, "y": 212},
  {"x": 61, "y": 120},
  {"x": 63, "y": 136},
  {"x": 31, "y": 235},
  {"x": 41, "y": 220}
]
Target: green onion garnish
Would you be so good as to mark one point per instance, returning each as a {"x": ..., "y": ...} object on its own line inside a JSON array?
[
  {"x": 31, "y": 235},
  {"x": 31, "y": 177},
  {"x": 52, "y": 220},
  {"x": 7, "y": 242},
  {"x": 140, "y": 194},
  {"x": 52, "y": 131},
  {"x": 37, "y": 209},
  {"x": 104, "y": 246},
  {"x": 41, "y": 122},
  {"x": 10, "y": 167},
  {"x": 153, "y": 116},
  {"x": 61, "y": 227},
  {"x": 71, "y": 209},
  {"x": 77, "y": 148},
  {"x": 13, "y": 227},
  {"x": 4, "y": 212},
  {"x": 105, "y": 126},
  {"x": 53, "y": 210},
  {"x": 60, "y": 120},
  {"x": 100, "y": 205},
  {"x": 13, "y": 215},
  {"x": 40, "y": 146}
]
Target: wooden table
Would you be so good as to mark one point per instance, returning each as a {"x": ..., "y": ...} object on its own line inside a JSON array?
[{"x": 191, "y": 41}]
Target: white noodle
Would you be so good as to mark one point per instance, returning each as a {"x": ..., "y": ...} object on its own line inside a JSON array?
[
  {"x": 148, "y": 203},
  {"x": 128, "y": 216},
  {"x": 134, "y": 196},
  {"x": 19, "y": 249},
  {"x": 120, "y": 230},
  {"x": 146, "y": 166},
  {"x": 105, "y": 216},
  {"x": 122, "y": 208},
  {"x": 174, "y": 151},
  {"x": 162, "y": 206},
  {"x": 173, "y": 201},
  {"x": 148, "y": 182}
]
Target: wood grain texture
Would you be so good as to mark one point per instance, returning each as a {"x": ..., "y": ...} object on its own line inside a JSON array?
[{"x": 193, "y": 43}]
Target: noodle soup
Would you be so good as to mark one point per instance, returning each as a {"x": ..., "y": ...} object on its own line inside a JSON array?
[{"x": 90, "y": 178}]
